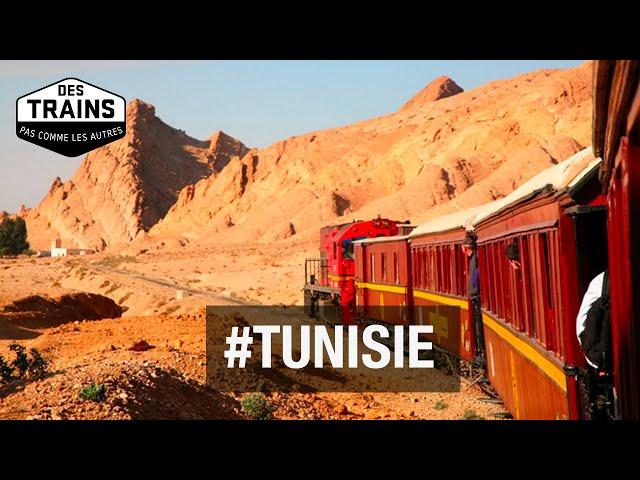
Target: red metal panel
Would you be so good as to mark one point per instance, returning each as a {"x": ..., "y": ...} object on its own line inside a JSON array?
[
  {"x": 526, "y": 391},
  {"x": 624, "y": 268}
]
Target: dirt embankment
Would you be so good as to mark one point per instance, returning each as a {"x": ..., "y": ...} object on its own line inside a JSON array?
[{"x": 167, "y": 379}]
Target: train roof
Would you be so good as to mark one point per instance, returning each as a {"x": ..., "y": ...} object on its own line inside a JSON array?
[
  {"x": 615, "y": 83},
  {"x": 564, "y": 176},
  {"x": 395, "y": 238},
  {"x": 452, "y": 221}
]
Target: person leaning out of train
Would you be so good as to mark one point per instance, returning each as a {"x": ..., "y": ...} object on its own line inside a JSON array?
[
  {"x": 513, "y": 255},
  {"x": 473, "y": 281},
  {"x": 473, "y": 292},
  {"x": 593, "y": 324},
  {"x": 593, "y": 327}
]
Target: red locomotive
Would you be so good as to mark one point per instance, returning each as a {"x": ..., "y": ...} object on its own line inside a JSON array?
[{"x": 329, "y": 280}]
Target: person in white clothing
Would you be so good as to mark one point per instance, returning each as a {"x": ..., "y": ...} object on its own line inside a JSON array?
[
  {"x": 593, "y": 329},
  {"x": 594, "y": 291}
]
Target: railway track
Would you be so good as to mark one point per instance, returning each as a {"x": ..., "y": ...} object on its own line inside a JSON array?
[{"x": 215, "y": 298}]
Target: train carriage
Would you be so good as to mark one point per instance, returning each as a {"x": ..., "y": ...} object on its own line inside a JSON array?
[
  {"x": 616, "y": 138},
  {"x": 439, "y": 272},
  {"x": 557, "y": 220},
  {"x": 383, "y": 279}
]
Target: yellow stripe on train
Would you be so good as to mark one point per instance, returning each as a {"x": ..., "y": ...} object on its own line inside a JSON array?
[
  {"x": 550, "y": 369},
  {"x": 434, "y": 297},
  {"x": 339, "y": 278},
  {"x": 379, "y": 287},
  {"x": 554, "y": 372}
]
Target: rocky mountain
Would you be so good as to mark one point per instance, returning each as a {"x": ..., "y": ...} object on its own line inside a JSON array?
[
  {"x": 124, "y": 188},
  {"x": 443, "y": 150}
]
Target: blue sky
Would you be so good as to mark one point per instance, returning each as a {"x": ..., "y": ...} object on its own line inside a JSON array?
[{"x": 258, "y": 102}]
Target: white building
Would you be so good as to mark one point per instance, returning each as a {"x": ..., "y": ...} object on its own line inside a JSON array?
[{"x": 57, "y": 250}]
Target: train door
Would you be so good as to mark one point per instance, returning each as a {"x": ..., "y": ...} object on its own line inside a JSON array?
[
  {"x": 590, "y": 236},
  {"x": 590, "y": 230}
]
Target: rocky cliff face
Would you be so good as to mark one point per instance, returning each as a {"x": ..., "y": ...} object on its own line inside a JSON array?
[
  {"x": 125, "y": 187},
  {"x": 443, "y": 150}
]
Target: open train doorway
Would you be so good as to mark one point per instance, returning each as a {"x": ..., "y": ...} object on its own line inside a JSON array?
[{"x": 590, "y": 229}]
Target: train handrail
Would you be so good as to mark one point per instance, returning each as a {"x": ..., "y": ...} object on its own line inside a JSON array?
[{"x": 316, "y": 271}]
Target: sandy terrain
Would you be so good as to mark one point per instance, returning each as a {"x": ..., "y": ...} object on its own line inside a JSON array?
[
  {"x": 157, "y": 383},
  {"x": 167, "y": 381}
]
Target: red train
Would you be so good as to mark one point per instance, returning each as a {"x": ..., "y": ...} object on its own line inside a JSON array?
[
  {"x": 616, "y": 139},
  {"x": 329, "y": 279},
  {"x": 569, "y": 223}
]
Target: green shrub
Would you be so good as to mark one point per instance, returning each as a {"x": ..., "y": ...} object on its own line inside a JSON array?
[
  {"x": 23, "y": 365},
  {"x": 13, "y": 236},
  {"x": 257, "y": 406},
  {"x": 6, "y": 371},
  {"x": 440, "y": 405},
  {"x": 21, "y": 362},
  {"x": 94, "y": 392},
  {"x": 471, "y": 415},
  {"x": 37, "y": 364}
]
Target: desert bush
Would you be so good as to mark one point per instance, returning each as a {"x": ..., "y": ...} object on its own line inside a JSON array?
[
  {"x": 257, "y": 406},
  {"x": 114, "y": 261},
  {"x": 471, "y": 415},
  {"x": 21, "y": 362},
  {"x": 440, "y": 405},
  {"x": 6, "y": 371},
  {"x": 94, "y": 392},
  {"x": 37, "y": 364},
  {"x": 32, "y": 365}
]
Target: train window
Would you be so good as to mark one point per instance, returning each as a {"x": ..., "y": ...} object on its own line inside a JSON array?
[
  {"x": 432, "y": 272},
  {"x": 417, "y": 268},
  {"x": 373, "y": 267},
  {"x": 485, "y": 289},
  {"x": 517, "y": 292},
  {"x": 335, "y": 250},
  {"x": 422, "y": 267},
  {"x": 555, "y": 290},
  {"x": 383, "y": 267},
  {"x": 438, "y": 259},
  {"x": 498, "y": 253},
  {"x": 448, "y": 268},
  {"x": 546, "y": 294},
  {"x": 525, "y": 295},
  {"x": 426, "y": 268},
  {"x": 494, "y": 279},
  {"x": 507, "y": 279},
  {"x": 441, "y": 281},
  {"x": 456, "y": 260},
  {"x": 396, "y": 278},
  {"x": 544, "y": 238}
]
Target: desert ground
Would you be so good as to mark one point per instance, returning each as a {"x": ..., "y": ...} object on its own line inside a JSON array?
[{"x": 167, "y": 380}]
